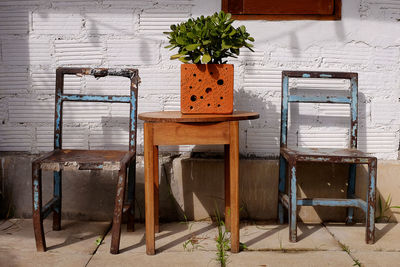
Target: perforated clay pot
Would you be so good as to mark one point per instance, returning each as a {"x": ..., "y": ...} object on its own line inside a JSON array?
[{"x": 207, "y": 88}]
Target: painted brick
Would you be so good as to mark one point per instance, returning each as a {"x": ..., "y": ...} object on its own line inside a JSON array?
[
  {"x": 117, "y": 22},
  {"x": 15, "y": 138},
  {"x": 262, "y": 79},
  {"x": 78, "y": 52},
  {"x": 73, "y": 138},
  {"x": 44, "y": 81},
  {"x": 159, "y": 21},
  {"x": 14, "y": 21},
  {"x": 386, "y": 10},
  {"x": 13, "y": 81},
  {"x": 127, "y": 4},
  {"x": 119, "y": 113},
  {"x": 160, "y": 82},
  {"x": 377, "y": 140},
  {"x": 59, "y": 4},
  {"x": 262, "y": 141},
  {"x": 114, "y": 138},
  {"x": 248, "y": 57},
  {"x": 356, "y": 55},
  {"x": 295, "y": 58},
  {"x": 56, "y": 22},
  {"x": 148, "y": 104},
  {"x": 133, "y": 52},
  {"x": 172, "y": 102},
  {"x": 23, "y": 52},
  {"x": 386, "y": 58},
  {"x": 8, "y": 3},
  {"x": 375, "y": 84},
  {"x": 385, "y": 112},
  {"x": 3, "y": 110},
  {"x": 86, "y": 112},
  {"x": 326, "y": 137},
  {"x": 23, "y": 110},
  {"x": 107, "y": 86}
]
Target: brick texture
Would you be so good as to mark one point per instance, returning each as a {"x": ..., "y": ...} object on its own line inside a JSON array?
[{"x": 38, "y": 36}]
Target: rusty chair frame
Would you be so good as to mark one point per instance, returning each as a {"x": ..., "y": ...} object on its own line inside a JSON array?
[
  {"x": 64, "y": 159},
  {"x": 289, "y": 157}
]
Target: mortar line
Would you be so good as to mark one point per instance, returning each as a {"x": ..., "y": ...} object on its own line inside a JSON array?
[
  {"x": 344, "y": 247},
  {"x": 101, "y": 242}
]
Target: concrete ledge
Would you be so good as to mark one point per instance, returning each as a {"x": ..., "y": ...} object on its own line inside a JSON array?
[{"x": 192, "y": 188}]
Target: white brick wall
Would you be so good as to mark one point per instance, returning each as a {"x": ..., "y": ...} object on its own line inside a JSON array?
[{"x": 38, "y": 36}]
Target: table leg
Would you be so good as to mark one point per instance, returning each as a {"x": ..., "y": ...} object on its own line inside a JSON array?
[
  {"x": 149, "y": 187},
  {"x": 156, "y": 190},
  {"x": 227, "y": 190},
  {"x": 234, "y": 184}
]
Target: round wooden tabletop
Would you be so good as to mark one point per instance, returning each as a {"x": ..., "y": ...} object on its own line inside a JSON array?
[{"x": 177, "y": 116}]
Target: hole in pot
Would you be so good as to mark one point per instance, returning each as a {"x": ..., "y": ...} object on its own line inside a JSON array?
[
  {"x": 218, "y": 105},
  {"x": 221, "y": 98},
  {"x": 208, "y": 104},
  {"x": 201, "y": 97},
  {"x": 194, "y": 74},
  {"x": 199, "y": 80},
  {"x": 193, "y": 98},
  {"x": 208, "y": 90},
  {"x": 191, "y": 107},
  {"x": 190, "y": 87},
  {"x": 220, "y": 82}
]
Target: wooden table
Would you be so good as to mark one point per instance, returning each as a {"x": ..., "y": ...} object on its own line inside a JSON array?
[{"x": 173, "y": 128}]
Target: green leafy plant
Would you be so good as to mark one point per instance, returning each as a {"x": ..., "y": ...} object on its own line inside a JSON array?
[
  {"x": 208, "y": 39},
  {"x": 383, "y": 208}
]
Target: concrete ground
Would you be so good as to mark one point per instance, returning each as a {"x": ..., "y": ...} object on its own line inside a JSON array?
[{"x": 82, "y": 243}]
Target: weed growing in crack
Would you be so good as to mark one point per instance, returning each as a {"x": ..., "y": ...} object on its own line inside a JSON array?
[
  {"x": 222, "y": 241},
  {"x": 383, "y": 208},
  {"x": 191, "y": 244},
  {"x": 357, "y": 263}
]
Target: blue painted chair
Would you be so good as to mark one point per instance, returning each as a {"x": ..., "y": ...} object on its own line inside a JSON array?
[
  {"x": 289, "y": 157},
  {"x": 60, "y": 159}
]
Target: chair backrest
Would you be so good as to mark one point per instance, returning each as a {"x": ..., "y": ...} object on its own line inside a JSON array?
[
  {"x": 351, "y": 99},
  {"x": 132, "y": 74}
]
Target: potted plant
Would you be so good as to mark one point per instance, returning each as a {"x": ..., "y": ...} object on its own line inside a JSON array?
[{"x": 206, "y": 42}]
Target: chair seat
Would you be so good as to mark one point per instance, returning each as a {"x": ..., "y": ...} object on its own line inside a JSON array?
[
  {"x": 335, "y": 155},
  {"x": 72, "y": 159}
]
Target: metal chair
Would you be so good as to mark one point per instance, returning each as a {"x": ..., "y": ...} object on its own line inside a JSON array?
[
  {"x": 289, "y": 157},
  {"x": 60, "y": 160}
]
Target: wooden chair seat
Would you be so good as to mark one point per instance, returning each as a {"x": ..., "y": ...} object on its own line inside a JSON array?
[
  {"x": 75, "y": 159},
  {"x": 346, "y": 155}
]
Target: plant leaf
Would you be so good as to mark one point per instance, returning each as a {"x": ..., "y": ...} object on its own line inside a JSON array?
[
  {"x": 175, "y": 56},
  {"x": 206, "y": 58},
  {"x": 191, "y": 47}
]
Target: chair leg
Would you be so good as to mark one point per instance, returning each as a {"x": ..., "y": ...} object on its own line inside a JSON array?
[
  {"x": 131, "y": 195},
  {"x": 57, "y": 194},
  {"x": 37, "y": 207},
  {"x": 119, "y": 204},
  {"x": 371, "y": 203},
  {"x": 351, "y": 189},
  {"x": 281, "y": 187},
  {"x": 292, "y": 202}
]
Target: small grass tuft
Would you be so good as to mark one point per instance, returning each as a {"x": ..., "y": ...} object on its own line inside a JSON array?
[{"x": 222, "y": 241}]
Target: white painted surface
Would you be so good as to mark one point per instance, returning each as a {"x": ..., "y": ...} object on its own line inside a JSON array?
[{"x": 38, "y": 36}]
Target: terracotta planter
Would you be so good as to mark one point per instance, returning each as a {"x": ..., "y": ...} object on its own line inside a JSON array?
[{"x": 207, "y": 88}]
